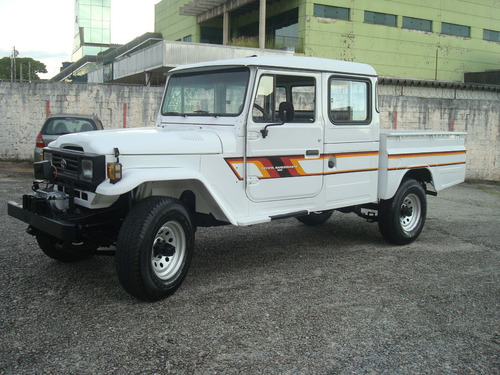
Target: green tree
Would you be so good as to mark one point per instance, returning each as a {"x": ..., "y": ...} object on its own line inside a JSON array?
[{"x": 28, "y": 64}]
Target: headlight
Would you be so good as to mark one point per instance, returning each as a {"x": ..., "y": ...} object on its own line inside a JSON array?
[{"x": 87, "y": 169}]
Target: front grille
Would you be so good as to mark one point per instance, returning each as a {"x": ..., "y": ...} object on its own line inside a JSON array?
[{"x": 68, "y": 164}]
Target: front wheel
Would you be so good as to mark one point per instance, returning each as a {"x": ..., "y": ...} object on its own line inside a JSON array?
[
  {"x": 401, "y": 219},
  {"x": 155, "y": 248}
]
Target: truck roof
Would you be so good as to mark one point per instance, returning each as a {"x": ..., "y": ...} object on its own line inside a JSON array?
[{"x": 289, "y": 62}]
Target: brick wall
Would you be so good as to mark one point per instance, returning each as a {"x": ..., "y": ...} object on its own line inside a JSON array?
[{"x": 23, "y": 108}]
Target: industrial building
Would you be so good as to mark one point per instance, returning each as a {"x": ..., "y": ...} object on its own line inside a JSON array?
[{"x": 424, "y": 40}]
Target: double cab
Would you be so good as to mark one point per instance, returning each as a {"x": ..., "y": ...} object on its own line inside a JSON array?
[{"x": 240, "y": 142}]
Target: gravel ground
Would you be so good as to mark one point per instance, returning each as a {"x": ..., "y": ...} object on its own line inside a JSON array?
[{"x": 281, "y": 298}]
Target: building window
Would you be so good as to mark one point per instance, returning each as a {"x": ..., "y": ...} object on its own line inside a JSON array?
[
  {"x": 188, "y": 38},
  {"x": 327, "y": 11},
  {"x": 381, "y": 18},
  {"x": 492, "y": 36},
  {"x": 455, "y": 30},
  {"x": 349, "y": 101},
  {"x": 417, "y": 24}
]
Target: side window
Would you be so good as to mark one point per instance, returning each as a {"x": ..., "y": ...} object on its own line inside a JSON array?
[
  {"x": 273, "y": 90},
  {"x": 263, "y": 106},
  {"x": 349, "y": 101}
]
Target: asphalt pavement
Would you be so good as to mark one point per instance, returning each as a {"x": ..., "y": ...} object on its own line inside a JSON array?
[{"x": 280, "y": 298}]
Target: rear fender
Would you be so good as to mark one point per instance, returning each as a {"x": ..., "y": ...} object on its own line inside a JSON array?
[{"x": 423, "y": 175}]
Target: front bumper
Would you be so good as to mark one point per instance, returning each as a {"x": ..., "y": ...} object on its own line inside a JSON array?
[
  {"x": 73, "y": 225},
  {"x": 61, "y": 229}
]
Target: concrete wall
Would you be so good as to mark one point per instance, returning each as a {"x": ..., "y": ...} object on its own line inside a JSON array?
[
  {"x": 23, "y": 108},
  {"x": 435, "y": 108}
]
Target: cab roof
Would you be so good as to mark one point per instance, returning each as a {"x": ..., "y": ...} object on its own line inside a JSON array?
[{"x": 288, "y": 62}]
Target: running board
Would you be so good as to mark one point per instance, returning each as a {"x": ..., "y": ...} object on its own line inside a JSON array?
[{"x": 291, "y": 214}]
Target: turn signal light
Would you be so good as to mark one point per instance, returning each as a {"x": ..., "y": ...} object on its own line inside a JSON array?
[{"x": 114, "y": 172}]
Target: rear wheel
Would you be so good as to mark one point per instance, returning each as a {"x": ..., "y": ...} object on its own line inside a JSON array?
[
  {"x": 63, "y": 252},
  {"x": 402, "y": 218},
  {"x": 155, "y": 248}
]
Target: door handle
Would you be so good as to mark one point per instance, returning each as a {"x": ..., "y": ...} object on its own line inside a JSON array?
[{"x": 312, "y": 153}]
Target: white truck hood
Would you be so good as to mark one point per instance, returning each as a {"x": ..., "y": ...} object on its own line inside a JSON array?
[{"x": 140, "y": 141}]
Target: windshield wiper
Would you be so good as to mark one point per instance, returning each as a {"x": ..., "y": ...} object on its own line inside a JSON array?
[
  {"x": 174, "y": 114},
  {"x": 198, "y": 112}
]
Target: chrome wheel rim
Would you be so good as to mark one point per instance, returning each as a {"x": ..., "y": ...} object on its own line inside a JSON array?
[
  {"x": 410, "y": 212},
  {"x": 168, "y": 251}
]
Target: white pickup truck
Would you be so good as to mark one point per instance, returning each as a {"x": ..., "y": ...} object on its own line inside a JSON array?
[{"x": 241, "y": 142}]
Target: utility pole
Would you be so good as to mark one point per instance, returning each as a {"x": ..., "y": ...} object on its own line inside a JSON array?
[
  {"x": 262, "y": 24},
  {"x": 13, "y": 64}
]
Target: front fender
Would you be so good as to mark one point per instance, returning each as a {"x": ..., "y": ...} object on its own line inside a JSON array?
[{"x": 132, "y": 178}]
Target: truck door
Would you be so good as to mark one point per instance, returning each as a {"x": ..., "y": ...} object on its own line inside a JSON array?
[
  {"x": 351, "y": 140},
  {"x": 284, "y": 161}
]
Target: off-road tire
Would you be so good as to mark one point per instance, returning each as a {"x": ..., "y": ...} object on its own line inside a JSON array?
[
  {"x": 401, "y": 219},
  {"x": 154, "y": 248}
]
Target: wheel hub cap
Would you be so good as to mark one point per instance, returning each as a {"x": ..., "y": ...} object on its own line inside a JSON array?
[
  {"x": 168, "y": 251},
  {"x": 410, "y": 213}
]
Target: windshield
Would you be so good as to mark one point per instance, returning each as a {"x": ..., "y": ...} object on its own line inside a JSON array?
[{"x": 215, "y": 93}]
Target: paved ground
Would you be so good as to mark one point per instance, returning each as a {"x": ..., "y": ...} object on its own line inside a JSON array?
[{"x": 280, "y": 298}]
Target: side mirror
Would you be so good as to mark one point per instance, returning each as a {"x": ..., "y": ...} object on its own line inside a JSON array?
[{"x": 286, "y": 114}]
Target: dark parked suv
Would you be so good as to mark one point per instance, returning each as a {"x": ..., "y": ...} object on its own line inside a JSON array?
[{"x": 57, "y": 125}]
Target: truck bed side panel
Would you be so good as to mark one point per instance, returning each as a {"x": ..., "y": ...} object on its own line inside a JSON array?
[{"x": 440, "y": 153}]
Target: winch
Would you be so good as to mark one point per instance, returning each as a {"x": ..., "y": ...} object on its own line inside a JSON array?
[{"x": 57, "y": 200}]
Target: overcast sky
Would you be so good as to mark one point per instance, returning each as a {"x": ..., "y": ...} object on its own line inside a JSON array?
[{"x": 43, "y": 29}]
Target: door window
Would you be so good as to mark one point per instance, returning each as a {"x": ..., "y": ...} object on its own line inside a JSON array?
[{"x": 273, "y": 90}]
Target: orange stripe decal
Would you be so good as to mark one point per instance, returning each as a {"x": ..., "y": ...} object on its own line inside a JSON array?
[
  {"x": 426, "y": 154},
  {"x": 294, "y": 165},
  {"x": 425, "y": 166}
]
